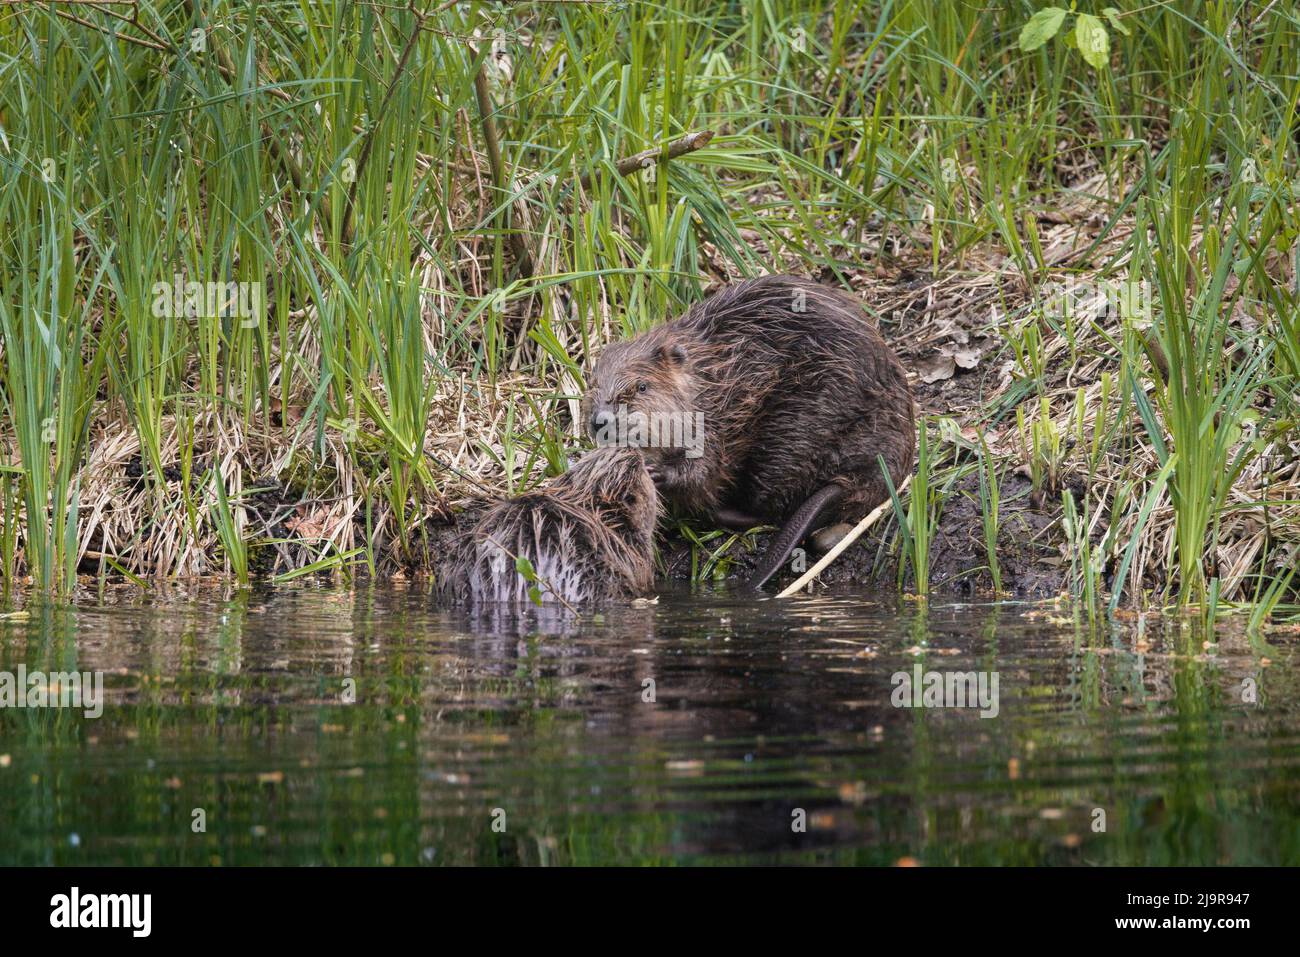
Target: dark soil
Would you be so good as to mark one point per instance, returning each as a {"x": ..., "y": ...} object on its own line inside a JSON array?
[{"x": 1032, "y": 564}]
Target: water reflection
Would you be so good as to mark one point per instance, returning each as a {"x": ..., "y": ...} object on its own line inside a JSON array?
[{"x": 323, "y": 725}]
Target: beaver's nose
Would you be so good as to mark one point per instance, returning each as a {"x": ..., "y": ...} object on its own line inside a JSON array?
[{"x": 599, "y": 421}]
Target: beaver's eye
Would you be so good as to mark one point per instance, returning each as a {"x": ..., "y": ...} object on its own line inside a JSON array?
[{"x": 641, "y": 387}]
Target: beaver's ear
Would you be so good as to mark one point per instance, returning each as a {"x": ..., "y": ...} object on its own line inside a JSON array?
[{"x": 673, "y": 355}]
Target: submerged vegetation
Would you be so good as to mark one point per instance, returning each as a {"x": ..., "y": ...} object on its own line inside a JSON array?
[{"x": 1082, "y": 240}]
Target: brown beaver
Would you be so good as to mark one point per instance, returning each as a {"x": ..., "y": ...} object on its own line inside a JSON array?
[
  {"x": 589, "y": 535},
  {"x": 797, "y": 394}
]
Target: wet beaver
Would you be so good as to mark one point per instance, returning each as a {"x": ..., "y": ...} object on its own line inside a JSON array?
[
  {"x": 796, "y": 392},
  {"x": 589, "y": 535}
]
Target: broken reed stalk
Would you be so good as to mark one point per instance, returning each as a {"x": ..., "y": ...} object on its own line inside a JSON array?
[
  {"x": 853, "y": 535},
  {"x": 678, "y": 147}
]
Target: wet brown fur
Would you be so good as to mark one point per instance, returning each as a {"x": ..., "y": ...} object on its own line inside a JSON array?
[
  {"x": 792, "y": 400},
  {"x": 589, "y": 533}
]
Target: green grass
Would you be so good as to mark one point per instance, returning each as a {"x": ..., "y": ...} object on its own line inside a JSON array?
[
  {"x": 990, "y": 499},
  {"x": 918, "y": 521},
  {"x": 429, "y": 200}
]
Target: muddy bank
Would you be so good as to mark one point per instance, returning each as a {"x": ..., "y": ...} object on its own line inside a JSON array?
[{"x": 1033, "y": 562}]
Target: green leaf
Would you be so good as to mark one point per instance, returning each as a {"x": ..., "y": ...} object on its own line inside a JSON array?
[
  {"x": 1042, "y": 26},
  {"x": 524, "y": 567},
  {"x": 1093, "y": 41},
  {"x": 535, "y": 595},
  {"x": 1112, "y": 15}
]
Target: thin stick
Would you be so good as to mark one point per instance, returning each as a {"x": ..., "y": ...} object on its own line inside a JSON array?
[
  {"x": 369, "y": 142},
  {"x": 843, "y": 543},
  {"x": 500, "y": 175},
  {"x": 153, "y": 44}
]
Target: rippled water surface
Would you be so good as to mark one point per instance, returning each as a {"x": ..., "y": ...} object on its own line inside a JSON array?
[{"x": 330, "y": 726}]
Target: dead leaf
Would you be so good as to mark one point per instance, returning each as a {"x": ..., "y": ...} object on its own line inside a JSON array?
[
  {"x": 309, "y": 524},
  {"x": 936, "y": 368}
]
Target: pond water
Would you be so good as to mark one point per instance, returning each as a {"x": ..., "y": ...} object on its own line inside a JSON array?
[{"x": 323, "y": 725}]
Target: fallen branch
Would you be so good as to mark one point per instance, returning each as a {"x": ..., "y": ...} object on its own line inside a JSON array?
[{"x": 854, "y": 534}]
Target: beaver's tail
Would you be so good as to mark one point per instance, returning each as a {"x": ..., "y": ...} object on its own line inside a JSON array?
[{"x": 792, "y": 533}]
